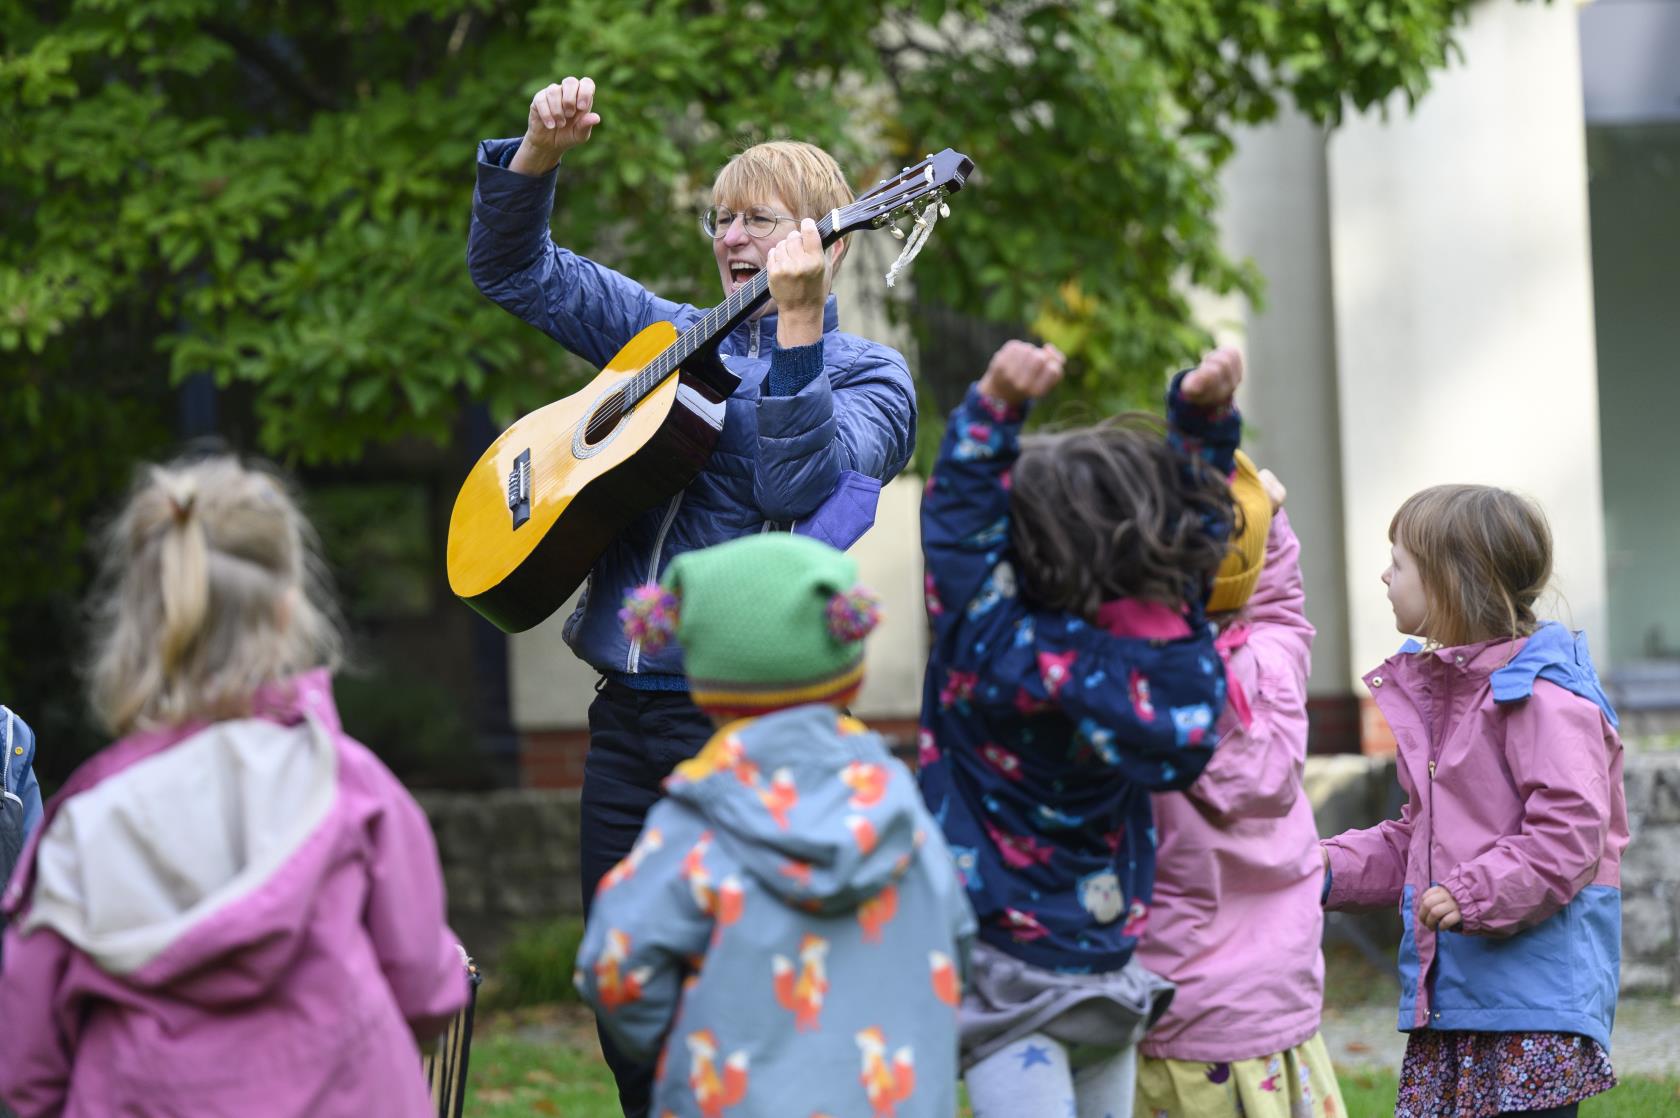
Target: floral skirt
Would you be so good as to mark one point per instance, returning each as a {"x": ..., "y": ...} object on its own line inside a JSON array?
[
  {"x": 1475, "y": 1075},
  {"x": 1299, "y": 1083}
]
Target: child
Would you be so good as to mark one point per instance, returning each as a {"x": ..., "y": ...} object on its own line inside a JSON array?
[
  {"x": 235, "y": 909},
  {"x": 1233, "y": 926},
  {"x": 1042, "y": 735},
  {"x": 20, "y": 794},
  {"x": 1506, "y": 860},
  {"x": 787, "y": 932}
]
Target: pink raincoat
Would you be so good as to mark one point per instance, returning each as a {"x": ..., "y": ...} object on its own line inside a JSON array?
[
  {"x": 1513, "y": 773},
  {"x": 1236, "y": 922},
  {"x": 236, "y": 920}
]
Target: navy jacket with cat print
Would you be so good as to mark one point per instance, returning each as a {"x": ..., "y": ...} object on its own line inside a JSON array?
[{"x": 1042, "y": 735}]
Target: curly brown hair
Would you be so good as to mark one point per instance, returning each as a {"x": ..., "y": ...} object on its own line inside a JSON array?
[{"x": 1115, "y": 511}]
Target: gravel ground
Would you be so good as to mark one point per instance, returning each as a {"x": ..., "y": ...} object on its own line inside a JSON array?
[{"x": 1646, "y": 1040}]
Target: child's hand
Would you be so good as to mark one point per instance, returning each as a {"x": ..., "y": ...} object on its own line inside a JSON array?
[
  {"x": 1214, "y": 381},
  {"x": 1274, "y": 489},
  {"x": 1437, "y": 909},
  {"x": 1021, "y": 371}
]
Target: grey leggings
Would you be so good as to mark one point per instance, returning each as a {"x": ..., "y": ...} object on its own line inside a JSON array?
[{"x": 1034, "y": 1078}]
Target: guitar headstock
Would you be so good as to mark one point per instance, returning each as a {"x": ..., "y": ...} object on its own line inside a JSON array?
[{"x": 914, "y": 188}]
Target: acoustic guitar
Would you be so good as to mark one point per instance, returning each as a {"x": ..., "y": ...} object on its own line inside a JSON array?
[{"x": 557, "y": 487}]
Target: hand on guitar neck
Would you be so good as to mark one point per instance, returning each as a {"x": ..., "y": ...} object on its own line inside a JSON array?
[
  {"x": 800, "y": 275},
  {"x": 562, "y": 116}
]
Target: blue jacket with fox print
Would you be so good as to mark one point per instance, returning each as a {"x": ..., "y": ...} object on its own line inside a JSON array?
[
  {"x": 1042, "y": 736},
  {"x": 788, "y": 932}
]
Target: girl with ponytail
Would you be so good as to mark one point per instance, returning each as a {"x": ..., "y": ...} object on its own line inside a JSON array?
[
  {"x": 1505, "y": 865},
  {"x": 235, "y": 908}
]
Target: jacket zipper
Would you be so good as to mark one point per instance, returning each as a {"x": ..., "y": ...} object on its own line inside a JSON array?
[
  {"x": 633, "y": 658},
  {"x": 752, "y": 350},
  {"x": 1437, "y": 739},
  {"x": 1437, "y": 735}
]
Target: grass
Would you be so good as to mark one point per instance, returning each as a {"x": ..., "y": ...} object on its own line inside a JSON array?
[
  {"x": 534, "y": 967},
  {"x": 1350, "y": 979},
  {"x": 558, "y": 1073},
  {"x": 515, "y": 1078}
]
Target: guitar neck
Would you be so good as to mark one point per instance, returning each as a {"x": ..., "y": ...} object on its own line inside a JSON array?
[{"x": 713, "y": 327}]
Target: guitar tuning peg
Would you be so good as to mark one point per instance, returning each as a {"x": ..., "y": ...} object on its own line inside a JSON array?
[
  {"x": 898, "y": 234},
  {"x": 928, "y": 174},
  {"x": 944, "y": 210},
  {"x": 929, "y": 155}
]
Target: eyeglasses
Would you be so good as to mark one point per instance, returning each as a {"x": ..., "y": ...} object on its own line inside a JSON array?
[{"x": 758, "y": 221}]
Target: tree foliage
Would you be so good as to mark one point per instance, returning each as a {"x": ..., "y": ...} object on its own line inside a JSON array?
[{"x": 276, "y": 193}]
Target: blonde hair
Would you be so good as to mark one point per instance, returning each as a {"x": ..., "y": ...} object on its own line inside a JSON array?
[
  {"x": 210, "y": 588},
  {"x": 803, "y": 175},
  {"x": 1484, "y": 556}
]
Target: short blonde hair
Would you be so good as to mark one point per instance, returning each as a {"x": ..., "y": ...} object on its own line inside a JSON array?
[
  {"x": 211, "y": 587},
  {"x": 803, "y": 175},
  {"x": 1484, "y": 556}
]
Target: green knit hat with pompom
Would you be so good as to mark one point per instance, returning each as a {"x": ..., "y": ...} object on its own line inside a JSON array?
[{"x": 767, "y": 621}]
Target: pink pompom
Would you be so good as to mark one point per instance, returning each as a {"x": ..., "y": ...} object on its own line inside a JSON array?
[
  {"x": 650, "y": 616},
  {"x": 853, "y": 614}
]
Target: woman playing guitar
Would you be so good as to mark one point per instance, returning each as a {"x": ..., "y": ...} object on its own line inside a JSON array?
[{"x": 814, "y": 404}]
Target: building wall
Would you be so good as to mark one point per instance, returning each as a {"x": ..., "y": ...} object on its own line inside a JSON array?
[
  {"x": 1276, "y": 213},
  {"x": 1463, "y": 306},
  {"x": 1636, "y": 239}
]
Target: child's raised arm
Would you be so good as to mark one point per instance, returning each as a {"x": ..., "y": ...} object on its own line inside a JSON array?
[
  {"x": 648, "y": 926},
  {"x": 1256, "y": 772},
  {"x": 1201, "y": 420},
  {"x": 965, "y": 509}
]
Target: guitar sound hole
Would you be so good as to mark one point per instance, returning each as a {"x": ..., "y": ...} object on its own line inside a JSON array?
[{"x": 605, "y": 420}]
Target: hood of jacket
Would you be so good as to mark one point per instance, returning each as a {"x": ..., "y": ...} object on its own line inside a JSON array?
[
  {"x": 1552, "y": 653},
  {"x": 1559, "y": 656},
  {"x": 809, "y": 802},
  {"x": 156, "y": 886}
]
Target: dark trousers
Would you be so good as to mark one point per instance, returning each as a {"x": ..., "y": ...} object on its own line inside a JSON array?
[
  {"x": 1549, "y": 1112},
  {"x": 635, "y": 739}
]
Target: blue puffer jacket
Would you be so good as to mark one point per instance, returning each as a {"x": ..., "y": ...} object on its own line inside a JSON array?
[{"x": 779, "y": 458}]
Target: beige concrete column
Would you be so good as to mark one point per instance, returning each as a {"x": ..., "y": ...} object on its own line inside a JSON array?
[
  {"x": 1463, "y": 306},
  {"x": 1275, "y": 212}
]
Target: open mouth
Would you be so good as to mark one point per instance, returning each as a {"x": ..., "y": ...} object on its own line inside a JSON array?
[{"x": 741, "y": 273}]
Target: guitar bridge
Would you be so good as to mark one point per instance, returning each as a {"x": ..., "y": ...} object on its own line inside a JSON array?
[{"x": 519, "y": 489}]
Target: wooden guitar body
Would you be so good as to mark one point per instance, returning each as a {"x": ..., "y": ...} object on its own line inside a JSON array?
[{"x": 570, "y": 464}]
